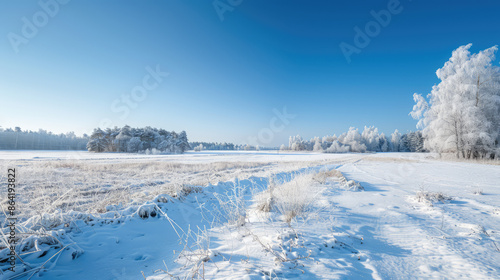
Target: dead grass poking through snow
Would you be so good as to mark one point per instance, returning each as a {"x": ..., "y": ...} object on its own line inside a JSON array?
[
  {"x": 91, "y": 185},
  {"x": 477, "y": 191},
  {"x": 427, "y": 197},
  {"x": 322, "y": 176},
  {"x": 496, "y": 211},
  {"x": 290, "y": 199}
]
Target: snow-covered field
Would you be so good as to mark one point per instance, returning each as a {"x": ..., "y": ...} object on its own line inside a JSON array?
[{"x": 252, "y": 215}]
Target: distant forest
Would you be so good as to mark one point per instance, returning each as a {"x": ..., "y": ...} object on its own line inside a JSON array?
[
  {"x": 17, "y": 139},
  {"x": 138, "y": 140},
  {"x": 370, "y": 140},
  {"x": 198, "y": 146},
  {"x": 216, "y": 146}
]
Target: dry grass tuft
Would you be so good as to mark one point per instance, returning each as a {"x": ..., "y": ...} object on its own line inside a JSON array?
[{"x": 429, "y": 198}]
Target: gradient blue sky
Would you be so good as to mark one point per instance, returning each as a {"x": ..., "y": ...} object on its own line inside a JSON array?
[{"x": 227, "y": 76}]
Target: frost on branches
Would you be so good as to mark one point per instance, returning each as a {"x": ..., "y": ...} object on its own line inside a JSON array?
[{"x": 462, "y": 114}]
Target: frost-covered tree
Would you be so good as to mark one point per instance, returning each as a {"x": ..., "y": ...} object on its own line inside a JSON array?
[
  {"x": 371, "y": 137},
  {"x": 248, "y": 147},
  {"x": 383, "y": 143},
  {"x": 183, "y": 142},
  {"x": 198, "y": 148},
  {"x": 337, "y": 147},
  {"x": 135, "y": 145},
  {"x": 295, "y": 143},
  {"x": 412, "y": 142},
  {"x": 353, "y": 139},
  {"x": 317, "y": 145},
  {"x": 122, "y": 138},
  {"x": 164, "y": 145},
  {"x": 396, "y": 141},
  {"x": 462, "y": 115},
  {"x": 98, "y": 141}
]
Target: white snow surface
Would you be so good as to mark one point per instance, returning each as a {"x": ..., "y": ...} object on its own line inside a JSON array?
[{"x": 381, "y": 232}]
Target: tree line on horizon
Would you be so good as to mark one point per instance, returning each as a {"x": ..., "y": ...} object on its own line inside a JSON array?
[
  {"x": 18, "y": 139},
  {"x": 218, "y": 146},
  {"x": 152, "y": 140},
  {"x": 370, "y": 140}
]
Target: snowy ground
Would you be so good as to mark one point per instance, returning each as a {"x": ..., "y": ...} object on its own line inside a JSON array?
[{"x": 226, "y": 215}]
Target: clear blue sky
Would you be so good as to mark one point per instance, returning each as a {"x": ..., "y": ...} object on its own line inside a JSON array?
[{"x": 226, "y": 77}]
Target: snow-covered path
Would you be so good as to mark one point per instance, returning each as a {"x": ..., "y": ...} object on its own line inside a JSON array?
[{"x": 456, "y": 239}]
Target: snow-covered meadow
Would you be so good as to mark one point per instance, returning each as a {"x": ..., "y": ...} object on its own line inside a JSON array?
[{"x": 252, "y": 215}]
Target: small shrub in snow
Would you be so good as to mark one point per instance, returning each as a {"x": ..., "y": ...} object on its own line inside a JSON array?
[
  {"x": 147, "y": 210},
  {"x": 496, "y": 211},
  {"x": 266, "y": 205},
  {"x": 198, "y": 148},
  {"x": 322, "y": 176},
  {"x": 163, "y": 198},
  {"x": 351, "y": 185},
  {"x": 296, "y": 197},
  {"x": 232, "y": 205},
  {"x": 194, "y": 255},
  {"x": 266, "y": 200},
  {"x": 427, "y": 197},
  {"x": 477, "y": 191},
  {"x": 184, "y": 190}
]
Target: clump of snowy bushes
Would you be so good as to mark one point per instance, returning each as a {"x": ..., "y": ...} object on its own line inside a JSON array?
[
  {"x": 290, "y": 199},
  {"x": 477, "y": 191},
  {"x": 296, "y": 197},
  {"x": 322, "y": 176},
  {"x": 266, "y": 198},
  {"x": 198, "y": 148},
  {"x": 428, "y": 198},
  {"x": 370, "y": 140},
  {"x": 344, "y": 183},
  {"x": 350, "y": 184}
]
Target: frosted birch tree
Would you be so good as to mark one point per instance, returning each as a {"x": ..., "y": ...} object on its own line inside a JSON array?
[{"x": 462, "y": 115}]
